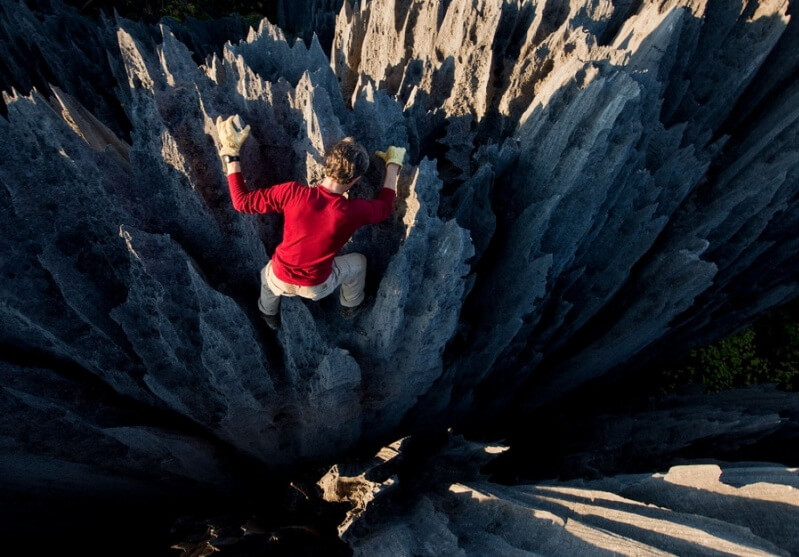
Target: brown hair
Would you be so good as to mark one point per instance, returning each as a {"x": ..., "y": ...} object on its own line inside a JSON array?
[{"x": 346, "y": 161}]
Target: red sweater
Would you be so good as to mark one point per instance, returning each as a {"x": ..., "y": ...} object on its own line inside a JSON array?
[{"x": 317, "y": 224}]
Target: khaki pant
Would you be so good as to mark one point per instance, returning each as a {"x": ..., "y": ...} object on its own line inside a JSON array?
[{"x": 349, "y": 272}]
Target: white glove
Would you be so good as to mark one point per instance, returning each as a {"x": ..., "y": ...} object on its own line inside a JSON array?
[{"x": 231, "y": 134}]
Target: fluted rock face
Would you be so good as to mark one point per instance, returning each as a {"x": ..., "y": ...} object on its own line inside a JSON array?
[
  {"x": 129, "y": 261},
  {"x": 655, "y": 168},
  {"x": 67, "y": 434},
  {"x": 586, "y": 184}
]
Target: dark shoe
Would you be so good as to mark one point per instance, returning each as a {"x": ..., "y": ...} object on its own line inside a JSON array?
[
  {"x": 349, "y": 313},
  {"x": 272, "y": 321}
]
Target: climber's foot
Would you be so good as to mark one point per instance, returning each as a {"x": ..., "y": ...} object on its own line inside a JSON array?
[
  {"x": 349, "y": 313},
  {"x": 272, "y": 321}
]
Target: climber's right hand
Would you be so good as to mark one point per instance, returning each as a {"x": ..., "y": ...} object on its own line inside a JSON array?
[
  {"x": 392, "y": 155},
  {"x": 231, "y": 134}
]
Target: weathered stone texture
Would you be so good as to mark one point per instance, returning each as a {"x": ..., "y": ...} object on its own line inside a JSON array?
[
  {"x": 104, "y": 270},
  {"x": 587, "y": 184},
  {"x": 640, "y": 207},
  {"x": 449, "y": 507},
  {"x": 81, "y": 438}
]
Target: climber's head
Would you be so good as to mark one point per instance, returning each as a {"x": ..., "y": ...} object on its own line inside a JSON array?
[{"x": 346, "y": 161}]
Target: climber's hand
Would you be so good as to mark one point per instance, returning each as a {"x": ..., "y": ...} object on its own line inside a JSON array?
[
  {"x": 392, "y": 155},
  {"x": 231, "y": 134}
]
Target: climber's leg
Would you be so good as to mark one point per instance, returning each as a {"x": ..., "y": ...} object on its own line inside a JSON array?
[
  {"x": 269, "y": 301},
  {"x": 350, "y": 272}
]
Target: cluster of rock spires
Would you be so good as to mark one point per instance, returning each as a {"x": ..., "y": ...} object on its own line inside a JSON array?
[{"x": 589, "y": 186}]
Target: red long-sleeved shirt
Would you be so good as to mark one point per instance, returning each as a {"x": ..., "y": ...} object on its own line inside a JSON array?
[{"x": 317, "y": 224}]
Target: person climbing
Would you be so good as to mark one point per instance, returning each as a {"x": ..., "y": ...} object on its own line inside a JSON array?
[{"x": 318, "y": 221}]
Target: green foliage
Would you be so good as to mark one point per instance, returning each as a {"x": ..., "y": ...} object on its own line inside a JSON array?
[
  {"x": 153, "y": 10},
  {"x": 766, "y": 352},
  {"x": 180, "y": 9}
]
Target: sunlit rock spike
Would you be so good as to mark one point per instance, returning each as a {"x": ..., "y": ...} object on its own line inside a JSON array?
[
  {"x": 380, "y": 34},
  {"x": 175, "y": 58},
  {"x": 140, "y": 73},
  {"x": 92, "y": 130},
  {"x": 475, "y": 59},
  {"x": 270, "y": 56},
  {"x": 346, "y": 49},
  {"x": 320, "y": 126},
  {"x": 650, "y": 38},
  {"x": 265, "y": 27},
  {"x": 214, "y": 69}
]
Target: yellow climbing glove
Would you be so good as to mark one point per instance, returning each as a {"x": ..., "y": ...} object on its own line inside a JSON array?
[
  {"x": 231, "y": 134},
  {"x": 392, "y": 155}
]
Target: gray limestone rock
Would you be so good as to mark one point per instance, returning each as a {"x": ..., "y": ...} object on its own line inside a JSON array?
[
  {"x": 194, "y": 342},
  {"x": 625, "y": 117},
  {"x": 81, "y": 437},
  {"x": 588, "y": 186},
  {"x": 167, "y": 316}
]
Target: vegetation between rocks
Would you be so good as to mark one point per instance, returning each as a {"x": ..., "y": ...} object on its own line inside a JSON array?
[{"x": 765, "y": 352}]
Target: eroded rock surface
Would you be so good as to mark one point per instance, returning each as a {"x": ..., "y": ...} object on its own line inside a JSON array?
[
  {"x": 645, "y": 197},
  {"x": 446, "y": 505},
  {"x": 588, "y": 185}
]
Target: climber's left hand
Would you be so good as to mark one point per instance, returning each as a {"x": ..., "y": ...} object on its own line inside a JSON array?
[{"x": 392, "y": 155}]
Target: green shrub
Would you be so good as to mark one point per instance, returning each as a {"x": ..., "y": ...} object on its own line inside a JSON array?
[
  {"x": 766, "y": 352},
  {"x": 153, "y": 10}
]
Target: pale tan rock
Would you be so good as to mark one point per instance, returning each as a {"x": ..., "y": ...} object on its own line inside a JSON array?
[{"x": 645, "y": 514}]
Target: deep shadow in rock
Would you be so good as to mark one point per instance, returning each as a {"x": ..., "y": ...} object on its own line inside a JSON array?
[{"x": 606, "y": 429}]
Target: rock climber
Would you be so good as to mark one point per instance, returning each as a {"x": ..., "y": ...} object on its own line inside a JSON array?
[{"x": 318, "y": 221}]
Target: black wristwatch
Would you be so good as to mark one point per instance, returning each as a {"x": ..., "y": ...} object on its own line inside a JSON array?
[{"x": 231, "y": 158}]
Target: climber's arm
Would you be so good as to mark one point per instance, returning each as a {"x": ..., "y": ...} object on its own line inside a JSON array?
[
  {"x": 392, "y": 173},
  {"x": 262, "y": 200},
  {"x": 393, "y": 156},
  {"x": 231, "y": 137},
  {"x": 380, "y": 209},
  {"x": 233, "y": 167}
]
